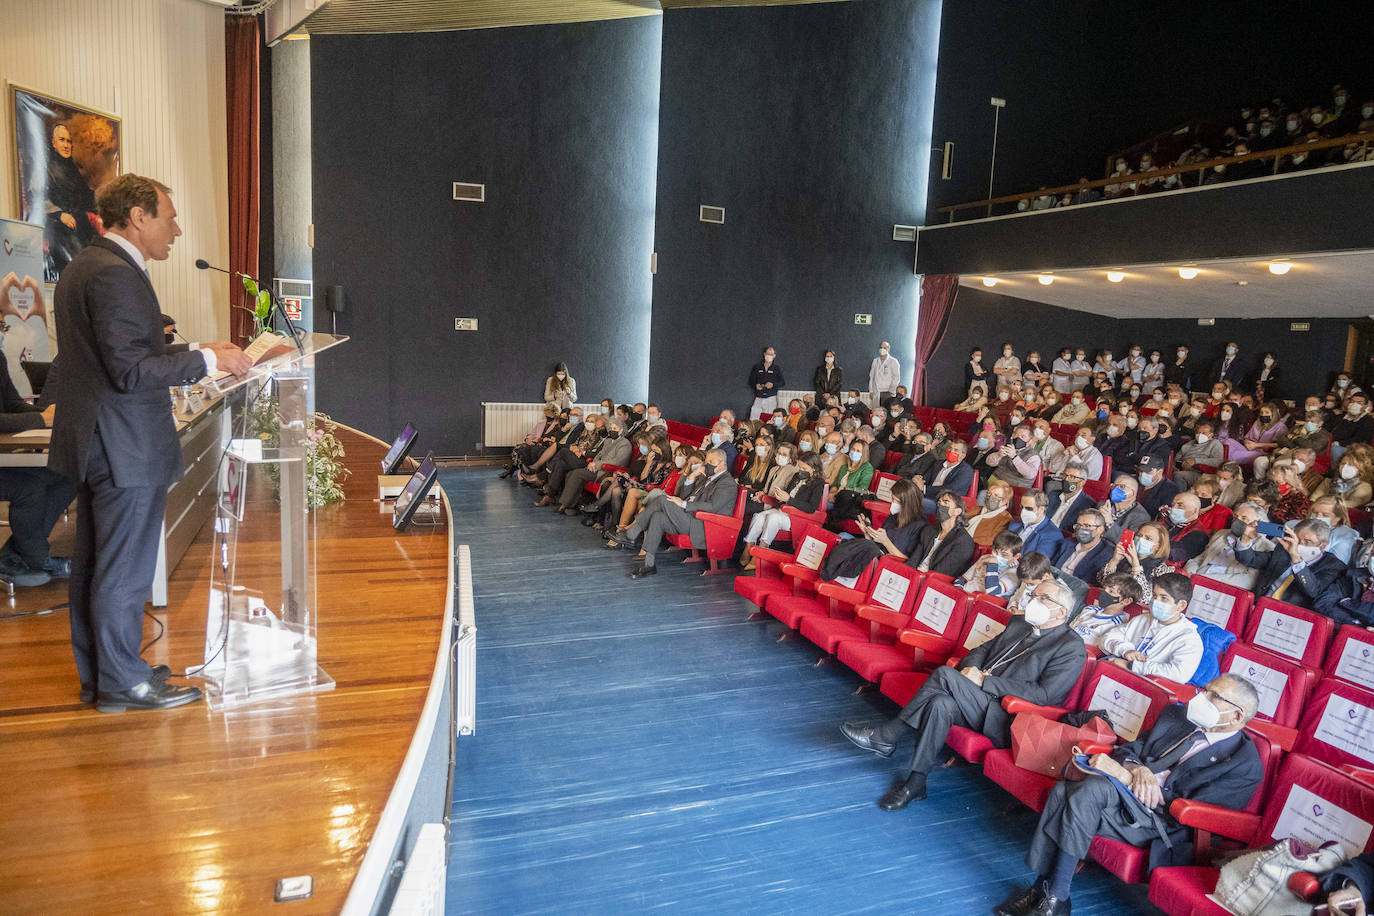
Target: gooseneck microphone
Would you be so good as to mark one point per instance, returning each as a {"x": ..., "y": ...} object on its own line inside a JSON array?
[{"x": 202, "y": 264}]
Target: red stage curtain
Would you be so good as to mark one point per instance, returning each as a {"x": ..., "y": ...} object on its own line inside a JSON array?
[
  {"x": 242, "y": 44},
  {"x": 937, "y": 301}
]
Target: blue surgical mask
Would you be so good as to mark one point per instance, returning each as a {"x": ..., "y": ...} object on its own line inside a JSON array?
[
  {"x": 716, "y": 438},
  {"x": 855, "y": 455},
  {"x": 644, "y": 449},
  {"x": 1161, "y": 610},
  {"x": 982, "y": 442},
  {"x": 1177, "y": 515},
  {"x": 804, "y": 445},
  {"x": 1118, "y": 495},
  {"x": 778, "y": 422},
  {"x": 831, "y": 448},
  {"x": 1147, "y": 479}
]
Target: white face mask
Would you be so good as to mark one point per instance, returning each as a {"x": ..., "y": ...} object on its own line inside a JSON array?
[
  {"x": 1037, "y": 613},
  {"x": 1269, "y": 360},
  {"x": 783, "y": 461},
  {"x": 679, "y": 460},
  {"x": 1342, "y": 382},
  {"x": 1039, "y": 435},
  {"x": 1182, "y": 354},
  {"x": 1135, "y": 353},
  {"x": 1003, "y": 395},
  {"x": 1131, "y": 422},
  {"x": 896, "y": 508},
  {"x": 1348, "y": 471},
  {"x": 1082, "y": 442},
  {"x": 561, "y": 375},
  {"x": 1226, "y": 414},
  {"x": 1230, "y": 351},
  {"x": 1144, "y": 547},
  {"x": 1015, "y": 421},
  {"x": 830, "y": 360},
  {"x": 1309, "y": 552},
  {"x": 882, "y": 351},
  {"x": 1006, "y": 353},
  {"x": 1028, "y": 516},
  {"x": 768, "y": 357},
  {"x": 1202, "y": 438},
  {"x": 1201, "y": 712}
]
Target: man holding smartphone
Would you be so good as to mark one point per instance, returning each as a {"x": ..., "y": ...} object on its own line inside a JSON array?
[{"x": 1298, "y": 569}]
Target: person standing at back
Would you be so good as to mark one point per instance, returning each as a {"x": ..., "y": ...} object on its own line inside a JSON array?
[
  {"x": 883, "y": 375},
  {"x": 766, "y": 380},
  {"x": 828, "y": 378},
  {"x": 113, "y": 434}
]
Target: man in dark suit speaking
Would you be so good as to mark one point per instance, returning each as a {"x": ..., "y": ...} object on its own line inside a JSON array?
[{"x": 113, "y": 434}]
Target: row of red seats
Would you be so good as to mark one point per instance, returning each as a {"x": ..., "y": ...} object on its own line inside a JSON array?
[{"x": 898, "y": 625}]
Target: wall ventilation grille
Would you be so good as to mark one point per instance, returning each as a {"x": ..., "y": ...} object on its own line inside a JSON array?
[
  {"x": 902, "y": 233},
  {"x": 463, "y": 190},
  {"x": 710, "y": 214}
]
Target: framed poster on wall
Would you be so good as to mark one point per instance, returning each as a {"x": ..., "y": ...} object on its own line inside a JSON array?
[{"x": 63, "y": 152}]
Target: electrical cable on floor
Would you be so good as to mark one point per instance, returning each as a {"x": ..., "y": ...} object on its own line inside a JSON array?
[{"x": 161, "y": 629}]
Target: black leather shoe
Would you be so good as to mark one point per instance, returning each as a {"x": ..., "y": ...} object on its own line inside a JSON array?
[
  {"x": 899, "y": 796},
  {"x": 1021, "y": 902},
  {"x": 148, "y": 695},
  {"x": 620, "y": 542},
  {"x": 157, "y": 675},
  {"x": 569, "y": 511},
  {"x": 1050, "y": 906},
  {"x": 862, "y": 736},
  {"x": 21, "y": 574},
  {"x": 639, "y": 572}
]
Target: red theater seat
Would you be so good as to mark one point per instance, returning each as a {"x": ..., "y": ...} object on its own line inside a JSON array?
[
  {"x": 1291, "y": 631},
  {"x": 721, "y": 533},
  {"x": 936, "y": 618},
  {"x": 1227, "y": 606},
  {"x": 1303, "y": 792},
  {"x": 768, "y": 578},
  {"x": 1351, "y": 657},
  {"x": 887, "y": 602},
  {"x": 1337, "y": 726}
]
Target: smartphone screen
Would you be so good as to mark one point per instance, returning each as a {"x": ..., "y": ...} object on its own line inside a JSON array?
[
  {"x": 1127, "y": 538},
  {"x": 1270, "y": 529}
]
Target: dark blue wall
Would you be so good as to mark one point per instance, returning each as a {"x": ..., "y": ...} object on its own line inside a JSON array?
[
  {"x": 559, "y": 123},
  {"x": 1085, "y": 78},
  {"x": 810, "y": 125},
  {"x": 1308, "y": 359}
]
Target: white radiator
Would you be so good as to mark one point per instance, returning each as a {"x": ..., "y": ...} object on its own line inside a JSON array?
[
  {"x": 421, "y": 892},
  {"x": 504, "y": 423},
  {"x": 465, "y": 649}
]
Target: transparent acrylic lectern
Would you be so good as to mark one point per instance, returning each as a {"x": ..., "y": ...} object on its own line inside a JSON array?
[{"x": 260, "y": 625}]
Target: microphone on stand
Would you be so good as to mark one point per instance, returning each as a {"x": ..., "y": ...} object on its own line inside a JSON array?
[{"x": 202, "y": 264}]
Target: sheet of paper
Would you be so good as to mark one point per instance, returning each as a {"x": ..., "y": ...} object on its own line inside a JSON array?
[
  {"x": 935, "y": 610},
  {"x": 1124, "y": 706},
  {"x": 884, "y": 492},
  {"x": 983, "y": 629},
  {"x": 1308, "y": 817},
  {"x": 812, "y": 552},
  {"x": 40, "y": 435},
  {"x": 1357, "y": 662},
  {"x": 1280, "y": 633},
  {"x": 1211, "y": 605},
  {"x": 890, "y": 590},
  {"x": 1269, "y": 682},
  {"x": 1347, "y": 726}
]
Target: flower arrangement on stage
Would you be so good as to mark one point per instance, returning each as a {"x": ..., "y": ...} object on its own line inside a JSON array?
[{"x": 324, "y": 469}]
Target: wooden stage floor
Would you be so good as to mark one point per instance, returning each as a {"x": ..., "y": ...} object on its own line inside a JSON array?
[{"x": 193, "y": 811}]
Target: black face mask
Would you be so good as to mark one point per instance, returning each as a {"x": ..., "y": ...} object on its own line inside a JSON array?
[{"x": 169, "y": 338}]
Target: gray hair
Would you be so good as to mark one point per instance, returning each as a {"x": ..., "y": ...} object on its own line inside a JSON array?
[
  {"x": 1245, "y": 693},
  {"x": 1316, "y": 526},
  {"x": 1262, "y": 512}
]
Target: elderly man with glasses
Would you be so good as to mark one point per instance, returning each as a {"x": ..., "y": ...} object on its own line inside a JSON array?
[
  {"x": 1197, "y": 751},
  {"x": 1036, "y": 657}
]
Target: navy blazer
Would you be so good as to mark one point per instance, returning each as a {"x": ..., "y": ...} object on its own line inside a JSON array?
[
  {"x": 1044, "y": 539},
  {"x": 1088, "y": 567},
  {"x": 1080, "y": 502},
  {"x": 1343, "y": 600},
  {"x": 1308, "y": 583},
  {"x": 952, "y": 557},
  {"x": 115, "y": 372},
  {"x": 1226, "y": 774},
  {"x": 957, "y": 481}
]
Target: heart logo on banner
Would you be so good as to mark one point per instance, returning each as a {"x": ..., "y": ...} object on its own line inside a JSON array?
[
  {"x": 9, "y": 248},
  {"x": 1116, "y": 694},
  {"x": 1352, "y": 713},
  {"x": 1251, "y": 670},
  {"x": 1318, "y": 810},
  {"x": 1278, "y": 622},
  {"x": 1365, "y": 653},
  {"x": 20, "y": 299}
]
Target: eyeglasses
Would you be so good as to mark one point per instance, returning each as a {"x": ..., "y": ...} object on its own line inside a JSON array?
[{"x": 1216, "y": 696}]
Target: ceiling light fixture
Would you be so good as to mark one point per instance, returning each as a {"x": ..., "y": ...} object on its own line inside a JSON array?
[
  {"x": 1187, "y": 273},
  {"x": 1279, "y": 268},
  {"x": 1115, "y": 276},
  {"x": 989, "y": 282},
  {"x": 1045, "y": 279}
]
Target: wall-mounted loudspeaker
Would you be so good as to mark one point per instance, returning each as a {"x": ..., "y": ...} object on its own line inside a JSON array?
[{"x": 334, "y": 299}]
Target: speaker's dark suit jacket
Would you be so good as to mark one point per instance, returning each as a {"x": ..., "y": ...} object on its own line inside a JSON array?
[{"x": 116, "y": 370}]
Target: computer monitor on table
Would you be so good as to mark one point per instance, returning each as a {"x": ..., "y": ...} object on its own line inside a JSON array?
[
  {"x": 396, "y": 457},
  {"x": 415, "y": 492}
]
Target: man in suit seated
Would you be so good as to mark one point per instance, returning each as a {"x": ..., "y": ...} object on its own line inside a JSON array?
[
  {"x": 1065, "y": 503},
  {"x": 919, "y": 459},
  {"x": 37, "y": 498},
  {"x": 1197, "y": 751},
  {"x": 952, "y": 474},
  {"x": 1088, "y": 551},
  {"x": 1298, "y": 570},
  {"x": 1034, "y": 527},
  {"x": 675, "y": 515},
  {"x": 614, "y": 451},
  {"x": 1121, "y": 510},
  {"x": 1036, "y": 657}
]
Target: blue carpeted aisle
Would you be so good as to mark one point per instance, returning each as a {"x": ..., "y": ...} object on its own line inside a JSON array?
[{"x": 642, "y": 745}]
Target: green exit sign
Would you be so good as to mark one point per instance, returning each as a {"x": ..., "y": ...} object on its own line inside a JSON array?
[{"x": 861, "y": 318}]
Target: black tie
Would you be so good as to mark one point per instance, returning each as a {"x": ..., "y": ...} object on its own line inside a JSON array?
[{"x": 1170, "y": 758}]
